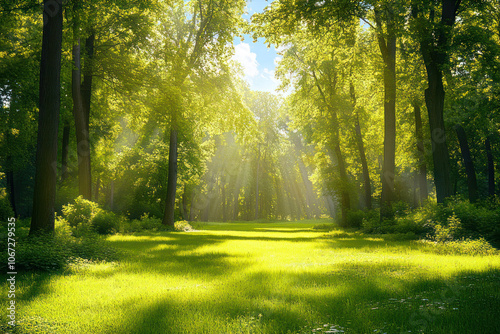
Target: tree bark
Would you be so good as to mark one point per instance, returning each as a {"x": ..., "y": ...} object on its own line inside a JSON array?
[
  {"x": 421, "y": 165},
  {"x": 11, "y": 189},
  {"x": 491, "y": 169},
  {"x": 388, "y": 50},
  {"x": 81, "y": 127},
  {"x": 469, "y": 164},
  {"x": 42, "y": 219},
  {"x": 434, "y": 40},
  {"x": 184, "y": 203},
  {"x": 168, "y": 216},
  {"x": 65, "y": 151},
  {"x": 96, "y": 191},
  {"x": 362, "y": 154},
  {"x": 257, "y": 186}
]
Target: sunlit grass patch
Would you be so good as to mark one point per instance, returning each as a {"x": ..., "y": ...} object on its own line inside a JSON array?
[{"x": 282, "y": 277}]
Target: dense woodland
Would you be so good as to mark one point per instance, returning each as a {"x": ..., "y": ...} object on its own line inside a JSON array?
[{"x": 140, "y": 107}]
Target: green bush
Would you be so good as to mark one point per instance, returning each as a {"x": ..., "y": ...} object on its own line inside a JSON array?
[
  {"x": 81, "y": 212},
  {"x": 151, "y": 223},
  {"x": 5, "y": 208},
  {"x": 105, "y": 222},
  {"x": 476, "y": 247},
  {"x": 56, "y": 251},
  {"x": 183, "y": 226},
  {"x": 355, "y": 218},
  {"x": 449, "y": 232}
]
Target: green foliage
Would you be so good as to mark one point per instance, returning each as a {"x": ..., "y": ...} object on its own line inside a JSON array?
[
  {"x": 105, "y": 222},
  {"x": 183, "y": 226},
  {"x": 450, "y": 231},
  {"x": 355, "y": 218},
  {"x": 476, "y": 247},
  {"x": 5, "y": 208},
  {"x": 80, "y": 213},
  {"x": 454, "y": 220}
]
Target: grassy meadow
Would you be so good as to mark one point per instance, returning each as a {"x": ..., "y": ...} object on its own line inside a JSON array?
[{"x": 256, "y": 277}]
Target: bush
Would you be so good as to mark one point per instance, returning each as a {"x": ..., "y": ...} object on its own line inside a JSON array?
[
  {"x": 5, "y": 208},
  {"x": 105, "y": 222},
  {"x": 183, "y": 226},
  {"x": 463, "y": 247},
  {"x": 81, "y": 212},
  {"x": 355, "y": 218},
  {"x": 451, "y": 231},
  {"x": 56, "y": 251}
]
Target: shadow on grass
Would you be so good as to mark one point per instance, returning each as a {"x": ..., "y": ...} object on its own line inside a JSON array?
[
  {"x": 361, "y": 297},
  {"x": 258, "y": 303}
]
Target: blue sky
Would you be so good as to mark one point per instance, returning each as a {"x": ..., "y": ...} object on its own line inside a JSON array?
[{"x": 257, "y": 59}]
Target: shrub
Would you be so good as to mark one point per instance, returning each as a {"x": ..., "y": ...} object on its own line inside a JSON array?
[
  {"x": 5, "y": 208},
  {"x": 479, "y": 247},
  {"x": 105, "y": 222},
  {"x": 451, "y": 231},
  {"x": 183, "y": 226},
  {"x": 151, "y": 223},
  {"x": 355, "y": 218},
  {"x": 81, "y": 212}
]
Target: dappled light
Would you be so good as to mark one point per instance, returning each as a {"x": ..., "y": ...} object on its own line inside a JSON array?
[{"x": 249, "y": 166}]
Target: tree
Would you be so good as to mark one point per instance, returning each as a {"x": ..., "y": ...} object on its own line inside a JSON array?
[
  {"x": 195, "y": 38},
  {"x": 48, "y": 119},
  {"x": 434, "y": 37}
]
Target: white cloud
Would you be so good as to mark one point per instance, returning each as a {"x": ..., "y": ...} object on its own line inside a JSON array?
[
  {"x": 247, "y": 59},
  {"x": 269, "y": 74}
]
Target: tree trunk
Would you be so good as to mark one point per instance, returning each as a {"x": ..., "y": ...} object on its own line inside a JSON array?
[
  {"x": 168, "y": 216},
  {"x": 491, "y": 169},
  {"x": 81, "y": 127},
  {"x": 434, "y": 100},
  {"x": 112, "y": 195},
  {"x": 65, "y": 151},
  {"x": 469, "y": 164},
  {"x": 421, "y": 177},
  {"x": 48, "y": 119},
  {"x": 362, "y": 153},
  {"x": 434, "y": 45},
  {"x": 11, "y": 189},
  {"x": 87, "y": 78},
  {"x": 388, "y": 50},
  {"x": 257, "y": 187},
  {"x": 96, "y": 191},
  {"x": 345, "y": 198},
  {"x": 184, "y": 203}
]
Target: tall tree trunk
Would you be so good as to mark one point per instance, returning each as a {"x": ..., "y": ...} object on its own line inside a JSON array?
[
  {"x": 11, "y": 189},
  {"x": 434, "y": 100},
  {"x": 65, "y": 151},
  {"x": 388, "y": 49},
  {"x": 362, "y": 154},
  {"x": 184, "y": 203},
  {"x": 168, "y": 216},
  {"x": 112, "y": 195},
  {"x": 469, "y": 164},
  {"x": 87, "y": 78},
  {"x": 345, "y": 198},
  {"x": 81, "y": 127},
  {"x": 491, "y": 168},
  {"x": 421, "y": 177},
  {"x": 257, "y": 186},
  {"x": 48, "y": 119},
  {"x": 97, "y": 187},
  {"x": 434, "y": 44}
]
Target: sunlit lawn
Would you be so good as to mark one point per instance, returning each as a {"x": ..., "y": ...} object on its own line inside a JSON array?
[{"x": 265, "y": 278}]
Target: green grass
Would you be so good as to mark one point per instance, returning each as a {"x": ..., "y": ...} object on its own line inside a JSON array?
[{"x": 265, "y": 278}]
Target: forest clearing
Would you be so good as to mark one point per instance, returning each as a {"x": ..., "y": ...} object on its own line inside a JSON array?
[
  {"x": 265, "y": 277},
  {"x": 234, "y": 166}
]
